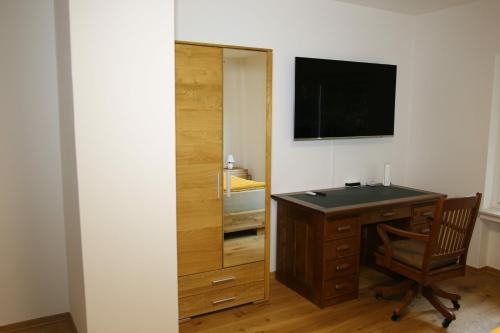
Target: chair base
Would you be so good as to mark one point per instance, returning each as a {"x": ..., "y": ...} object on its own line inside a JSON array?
[{"x": 411, "y": 289}]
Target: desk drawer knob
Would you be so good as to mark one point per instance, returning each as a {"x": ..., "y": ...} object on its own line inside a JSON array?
[
  {"x": 344, "y": 247},
  {"x": 388, "y": 214},
  {"x": 427, "y": 214},
  {"x": 339, "y": 286},
  {"x": 224, "y": 280},
  {"x": 342, "y": 267},
  {"x": 344, "y": 228},
  {"x": 223, "y": 300}
]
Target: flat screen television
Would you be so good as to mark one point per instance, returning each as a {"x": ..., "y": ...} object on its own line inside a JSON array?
[{"x": 342, "y": 99}]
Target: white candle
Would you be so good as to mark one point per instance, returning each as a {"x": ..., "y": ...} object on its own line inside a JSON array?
[{"x": 387, "y": 175}]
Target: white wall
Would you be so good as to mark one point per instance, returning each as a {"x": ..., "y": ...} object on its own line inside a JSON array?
[
  {"x": 33, "y": 278},
  {"x": 492, "y": 237},
  {"x": 453, "y": 72},
  {"x": 123, "y": 88},
  {"x": 323, "y": 29},
  {"x": 69, "y": 174},
  {"x": 492, "y": 181},
  {"x": 452, "y": 92},
  {"x": 488, "y": 236}
]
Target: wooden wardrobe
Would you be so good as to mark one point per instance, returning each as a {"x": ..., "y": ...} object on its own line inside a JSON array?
[{"x": 207, "y": 282}]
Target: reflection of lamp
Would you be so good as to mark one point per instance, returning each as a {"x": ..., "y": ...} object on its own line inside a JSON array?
[{"x": 230, "y": 161}]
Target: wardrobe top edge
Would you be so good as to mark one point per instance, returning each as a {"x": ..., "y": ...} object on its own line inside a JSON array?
[{"x": 236, "y": 47}]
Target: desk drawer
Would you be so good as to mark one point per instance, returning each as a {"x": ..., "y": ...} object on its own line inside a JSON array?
[
  {"x": 423, "y": 211},
  {"x": 220, "y": 299},
  {"x": 341, "y": 248},
  {"x": 342, "y": 228},
  {"x": 341, "y": 267},
  {"x": 340, "y": 286},
  {"x": 423, "y": 214},
  {"x": 388, "y": 214},
  {"x": 219, "y": 279},
  {"x": 422, "y": 219},
  {"x": 421, "y": 228}
]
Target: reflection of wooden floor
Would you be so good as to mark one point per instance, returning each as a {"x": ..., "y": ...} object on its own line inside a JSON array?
[
  {"x": 247, "y": 220},
  {"x": 288, "y": 312},
  {"x": 368, "y": 278},
  {"x": 242, "y": 250}
]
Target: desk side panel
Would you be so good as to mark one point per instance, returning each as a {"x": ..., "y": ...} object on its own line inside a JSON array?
[{"x": 299, "y": 252}]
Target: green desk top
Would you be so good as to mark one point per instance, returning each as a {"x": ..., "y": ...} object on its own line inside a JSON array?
[{"x": 357, "y": 195}]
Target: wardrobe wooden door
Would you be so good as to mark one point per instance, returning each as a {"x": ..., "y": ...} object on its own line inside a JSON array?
[{"x": 198, "y": 77}]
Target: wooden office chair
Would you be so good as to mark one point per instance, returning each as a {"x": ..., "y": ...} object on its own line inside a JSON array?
[{"x": 426, "y": 259}]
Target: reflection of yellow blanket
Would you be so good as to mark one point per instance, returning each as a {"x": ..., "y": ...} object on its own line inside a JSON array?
[{"x": 239, "y": 184}]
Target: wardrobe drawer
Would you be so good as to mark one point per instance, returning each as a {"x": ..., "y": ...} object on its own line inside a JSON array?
[
  {"x": 214, "y": 280},
  {"x": 341, "y": 267},
  {"x": 341, "y": 228},
  {"x": 340, "y": 286},
  {"x": 220, "y": 299},
  {"x": 341, "y": 248},
  {"x": 388, "y": 214}
]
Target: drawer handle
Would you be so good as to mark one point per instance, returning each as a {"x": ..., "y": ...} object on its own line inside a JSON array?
[
  {"x": 224, "y": 300},
  {"x": 425, "y": 230},
  {"x": 224, "y": 280},
  {"x": 388, "y": 214},
  {"x": 218, "y": 185},
  {"x": 339, "y": 286},
  {"x": 342, "y": 267},
  {"x": 344, "y": 228},
  {"x": 427, "y": 214},
  {"x": 344, "y": 247}
]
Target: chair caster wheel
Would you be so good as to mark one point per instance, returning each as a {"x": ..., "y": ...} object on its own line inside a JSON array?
[
  {"x": 378, "y": 296},
  {"x": 395, "y": 317},
  {"x": 456, "y": 305},
  {"x": 446, "y": 322}
]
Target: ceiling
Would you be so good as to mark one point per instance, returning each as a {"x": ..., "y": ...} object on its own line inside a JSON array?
[{"x": 412, "y": 7}]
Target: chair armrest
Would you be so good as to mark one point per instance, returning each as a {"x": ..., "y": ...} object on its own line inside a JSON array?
[
  {"x": 383, "y": 230},
  {"x": 402, "y": 233}
]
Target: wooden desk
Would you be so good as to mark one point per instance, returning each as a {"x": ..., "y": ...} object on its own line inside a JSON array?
[{"x": 319, "y": 238}]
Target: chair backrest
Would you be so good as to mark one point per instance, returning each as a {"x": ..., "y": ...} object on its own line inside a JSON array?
[{"x": 452, "y": 228}]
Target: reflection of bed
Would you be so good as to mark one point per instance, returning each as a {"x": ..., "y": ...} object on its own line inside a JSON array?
[
  {"x": 244, "y": 209},
  {"x": 244, "y": 221},
  {"x": 241, "y": 185}
]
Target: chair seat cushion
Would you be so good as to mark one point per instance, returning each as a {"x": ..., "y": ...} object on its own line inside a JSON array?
[{"x": 411, "y": 252}]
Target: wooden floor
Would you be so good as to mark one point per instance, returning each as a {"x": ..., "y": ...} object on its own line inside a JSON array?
[
  {"x": 53, "y": 324},
  {"x": 286, "y": 311},
  {"x": 60, "y": 327}
]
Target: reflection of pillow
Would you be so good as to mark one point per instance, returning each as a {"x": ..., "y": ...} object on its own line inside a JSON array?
[{"x": 239, "y": 184}]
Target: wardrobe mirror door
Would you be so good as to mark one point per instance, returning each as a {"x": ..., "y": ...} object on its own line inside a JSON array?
[{"x": 244, "y": 154}]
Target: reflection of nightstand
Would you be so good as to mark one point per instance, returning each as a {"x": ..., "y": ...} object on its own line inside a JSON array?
[{"x": 238, "y": 172}]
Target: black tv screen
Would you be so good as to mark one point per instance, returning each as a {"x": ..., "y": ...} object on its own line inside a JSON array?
[{"x": 340, "y": 99}]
